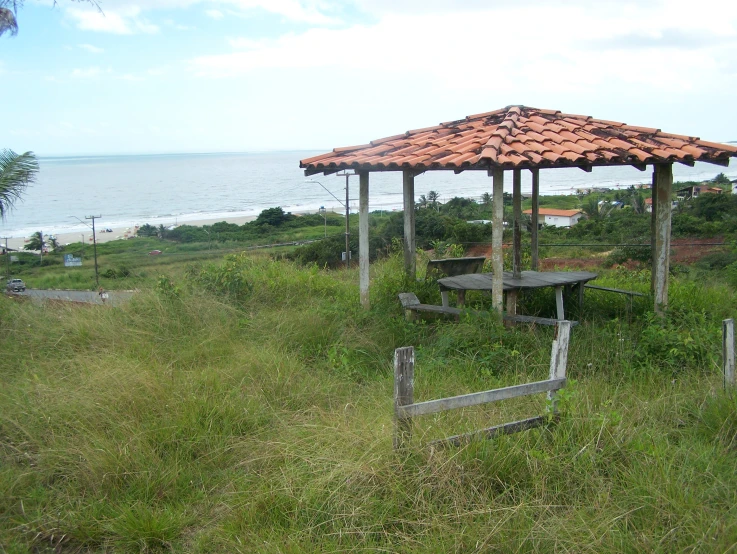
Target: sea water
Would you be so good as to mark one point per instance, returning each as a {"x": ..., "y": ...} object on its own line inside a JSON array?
[{"x": 179, "y": 188}]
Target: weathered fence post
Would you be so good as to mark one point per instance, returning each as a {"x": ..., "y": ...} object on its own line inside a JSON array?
[
  {"x": 559, "y": 359},
  {"x": 728, "y": 352},
  {"x": 404, "y": 393}
]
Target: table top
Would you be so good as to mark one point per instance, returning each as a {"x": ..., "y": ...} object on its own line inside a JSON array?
[{"x": 529, "y": 280}]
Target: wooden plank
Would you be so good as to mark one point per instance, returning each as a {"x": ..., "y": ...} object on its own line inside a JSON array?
[
  {"x": 363, "y": 239},
  {"x": 517, "y": 228},
  {"x": 431, "y": 308},
  {"x": 534, "y": 246},
  {"x": 409, "y": 299},
  {"x": 497, "y": 231},
  {"x": 728, "y": 352},
  {"x": 476, "y": 398},
  {"x": 404, "y": 393},
  {"x": 559, "y": 359},
  {"x": 534, "y": 320},
  {"x": 661, "y": 261},
  {"x": 410, "y": 255},
  {"x": 495, "y": 431},
  {"x": 620, "y": 291}
]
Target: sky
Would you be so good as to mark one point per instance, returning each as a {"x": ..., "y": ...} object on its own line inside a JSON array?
[{"x": 160, "y": 76}]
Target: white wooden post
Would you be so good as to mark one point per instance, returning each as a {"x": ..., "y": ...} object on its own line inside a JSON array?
[
  {"x": 363, "y": 238},
  {"x": 517, "y": 207},
  {"x": 728, "y": 352},
  {"x": 410, "y": 257},
  {"x": 559, "y": 359},
  {"x": 497, "y": 232},
  {"x": 404, "y": 393}
]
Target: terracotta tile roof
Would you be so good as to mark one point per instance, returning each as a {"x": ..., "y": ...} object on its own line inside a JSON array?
[
  {"x": 553, "y": 211},
  {"x": 519, "y": 137}
]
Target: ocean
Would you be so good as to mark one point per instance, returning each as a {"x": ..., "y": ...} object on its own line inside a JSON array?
[{"x": 167, "y": 189}]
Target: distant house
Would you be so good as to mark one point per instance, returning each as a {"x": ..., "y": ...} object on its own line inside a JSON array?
[
  {"x": 557, "y": 218},
  {"x": 696, "y": 191},
  {"x": 649, "y": 205}
]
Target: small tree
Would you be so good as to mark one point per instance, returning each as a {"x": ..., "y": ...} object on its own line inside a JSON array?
[
  {"x": 36, "y": 242},
  {"x": 721, "y": 179},
  {"x": 273, "y": 216}
]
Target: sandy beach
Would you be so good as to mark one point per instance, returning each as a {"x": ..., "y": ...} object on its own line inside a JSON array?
[{"x": 118, "y": 233}]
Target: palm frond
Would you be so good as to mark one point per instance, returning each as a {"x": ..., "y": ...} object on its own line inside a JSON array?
[
  {"x": 8, "y": 22},
  {"x": 17, "y": 171}
]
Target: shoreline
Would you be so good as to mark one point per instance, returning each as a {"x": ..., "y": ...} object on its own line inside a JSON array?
[{"x": 123, "y": 233}]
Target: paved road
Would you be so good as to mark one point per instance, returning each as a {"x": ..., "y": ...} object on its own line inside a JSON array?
[{"x": 114, "y": 297}]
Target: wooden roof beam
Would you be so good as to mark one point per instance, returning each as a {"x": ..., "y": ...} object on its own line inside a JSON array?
[{"x": 722, "y": 162}]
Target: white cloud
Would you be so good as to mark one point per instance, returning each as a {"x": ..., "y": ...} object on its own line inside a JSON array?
[
  {"x": 214, "y": 14},
  {"x": 479, "y": 51},
  {"x": 120, "y": 21},
  {"x": 90, "y": 48},
  {"x": 89, "y": 72}
]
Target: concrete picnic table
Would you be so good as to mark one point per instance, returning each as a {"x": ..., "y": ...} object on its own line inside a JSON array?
[{"x": 528, "y": 280}]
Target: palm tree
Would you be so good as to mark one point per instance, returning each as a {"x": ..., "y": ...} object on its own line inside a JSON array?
[
  {"x": 9, "y": 9},
  {"x": 8, "y": 22},
  {"x": 16, "y": 172}
]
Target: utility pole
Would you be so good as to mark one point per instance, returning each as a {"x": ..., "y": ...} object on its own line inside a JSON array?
[
  {"x": 7, "y": 256},
  {"x": 41, "y": 238},
  {"x": 347, "y": 220},
  {"x": 94, "y": 243}
]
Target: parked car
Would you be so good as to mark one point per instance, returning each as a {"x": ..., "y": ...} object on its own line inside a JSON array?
[
  {"x": 154, "y": 252},
  {"x": 16, "y": 285}
]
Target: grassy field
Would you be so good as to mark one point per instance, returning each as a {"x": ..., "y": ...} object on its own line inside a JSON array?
[{"x": 246, "y": 406}]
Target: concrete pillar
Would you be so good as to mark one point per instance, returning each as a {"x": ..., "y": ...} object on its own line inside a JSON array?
[
  {"x": 497, "y": 232},
  {"x": 663, "y": 179},
  {"x": 363, "y": 238},
  {"x": 410, "y": 258},
  {"x": 535, "y": 217}
]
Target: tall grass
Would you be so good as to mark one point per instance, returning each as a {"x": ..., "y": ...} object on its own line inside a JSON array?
[{"x": 195, "y": 419}]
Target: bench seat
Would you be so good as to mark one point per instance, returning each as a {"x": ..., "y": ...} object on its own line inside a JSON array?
[{"x": 412, "y": 304}]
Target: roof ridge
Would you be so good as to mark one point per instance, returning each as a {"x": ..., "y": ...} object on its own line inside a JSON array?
[{"x": 492, "y": 148}]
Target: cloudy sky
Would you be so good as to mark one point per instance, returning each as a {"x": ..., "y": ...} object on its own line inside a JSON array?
[{"x": 249, "y": 75}]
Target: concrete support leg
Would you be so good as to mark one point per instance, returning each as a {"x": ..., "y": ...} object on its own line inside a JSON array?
[
  {"x": 497, "y": 232},
  {"x": 661, "y": 261},
  {"x": 363, "y": 239},
  {"x": 410, "y": 263},
  {"x": 535, "y": 217}
]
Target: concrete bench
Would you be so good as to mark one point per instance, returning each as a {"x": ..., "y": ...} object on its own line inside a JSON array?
[{"x": 412, "y": 305}]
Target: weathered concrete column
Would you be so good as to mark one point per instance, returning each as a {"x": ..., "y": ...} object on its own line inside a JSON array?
[
  {"x": 663, "y": 179},
  {"x": 517, "y": 208},
  {"x": 653, "y": 212},
  {"x": 535, "y": 217},
  {"x": 497, "y": 232},
  {"x": 410, "y": 258},
  {"x": 363, "y": 238}
]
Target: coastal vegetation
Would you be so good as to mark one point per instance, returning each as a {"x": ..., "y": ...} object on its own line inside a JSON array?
[
  {"x": 245, "y": 405},
  {"x": 17, "y": 171}
]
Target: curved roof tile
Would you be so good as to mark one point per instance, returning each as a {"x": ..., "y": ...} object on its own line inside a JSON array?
[{"x": 518, "y": 137}]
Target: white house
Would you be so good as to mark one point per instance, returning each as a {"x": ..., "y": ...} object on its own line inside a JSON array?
[{"x": 557, "y": 218}]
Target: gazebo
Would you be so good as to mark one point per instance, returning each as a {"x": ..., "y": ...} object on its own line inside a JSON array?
[{"x": 520, "y": 138}]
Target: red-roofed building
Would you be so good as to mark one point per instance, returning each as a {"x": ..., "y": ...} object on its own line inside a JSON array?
[{"x": 556, "y": 218}]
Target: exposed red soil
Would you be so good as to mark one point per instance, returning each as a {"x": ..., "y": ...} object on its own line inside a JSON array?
[{"x": 683, "y": 251}]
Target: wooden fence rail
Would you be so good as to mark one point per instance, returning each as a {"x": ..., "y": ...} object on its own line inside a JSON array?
[{"x": 405, "y": 408}]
